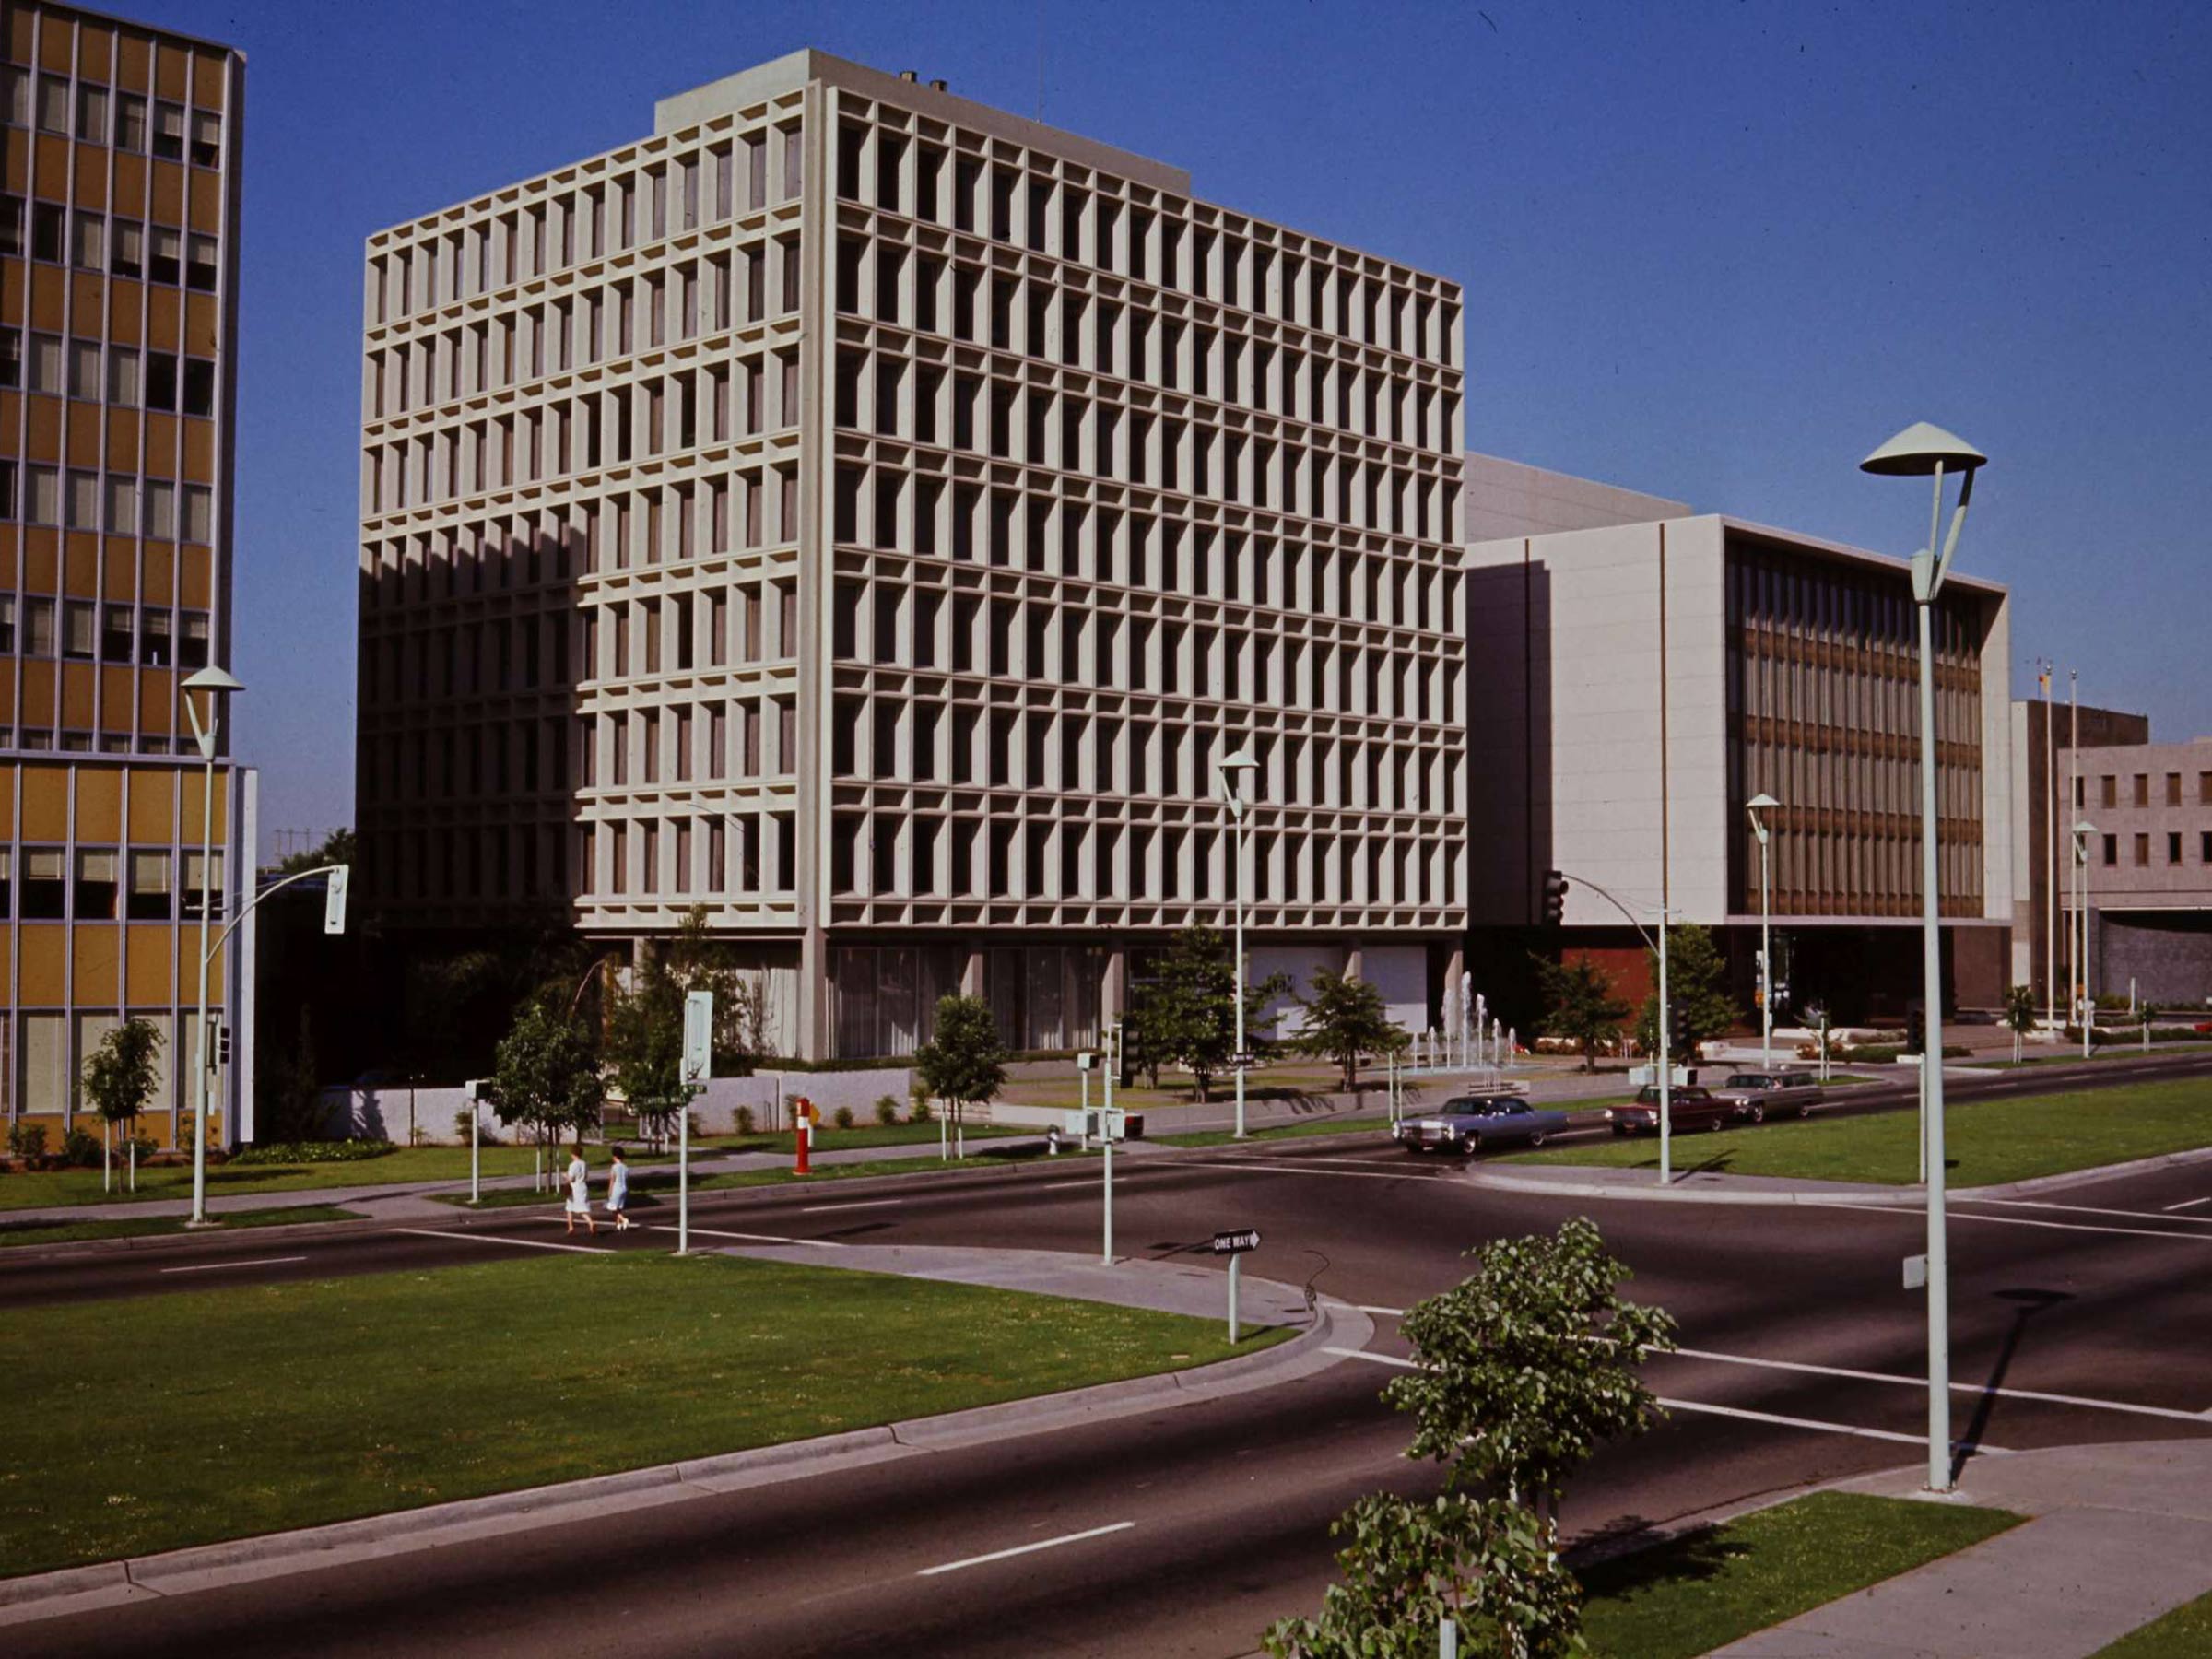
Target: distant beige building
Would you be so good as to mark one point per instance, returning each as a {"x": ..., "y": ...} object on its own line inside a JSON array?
[
  {"x": 2147, "y": 883},
  {"x": 874, "y": 516},
  {"x": 118, "y": 352}
]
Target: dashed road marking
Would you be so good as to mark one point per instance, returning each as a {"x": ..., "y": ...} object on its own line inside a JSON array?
[
  {"x": 1022, "y": 1549},
  {"x": 212, "y": 1266},
  {"x": 426, "y": 1232}
]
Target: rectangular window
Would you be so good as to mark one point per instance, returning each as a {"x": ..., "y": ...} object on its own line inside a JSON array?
[
  {"x": 116, "y": 641},
  {"x": 200, "y": 262},
  {"x": 167, "y": 263},
  {"x": 206, "y": 139},
  {"x": 45, "y": 895},
  {"x": 47, "y": 219},
  {"x": 123, "y": 507},
  {"x": 84, "y": 371},
  {"x": 2174, "y": 846},
  {"x": 150, "y": 899},
  {"x": 126, "y": 255},
  {"x": 155, "y": 645},
  {"x": 83, "y": 501},
  {"x": 199, "y": 514},
  {"x": 130, "y": 122},
  {"x": 169, "y": 132},
  {"x": 88, "y": 241},
  {"x": 193, "y": 648},
  {"x": 96, "y": 885},
  {"x": 46, "y": 363},
  {"x": 41, "y": 496},
  {"x": 122, "y": 376},
  {"x": 54, "y": 103},
  {"x": 199, "y": 386},
  {"x": 2142, "y": 849}
]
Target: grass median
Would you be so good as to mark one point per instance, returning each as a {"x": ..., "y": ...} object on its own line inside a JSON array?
[
  {"x": 1691, "y": 1594},
  {"x": 1987, "y": 1142},
  {"x": 2184, "y": 1633},
  {"x": 660, "y": 1187},
  {"x": 154, "y": 1422}
]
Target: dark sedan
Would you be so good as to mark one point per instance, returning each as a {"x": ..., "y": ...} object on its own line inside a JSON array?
[
  {"x": 1470, "y": 1122},
  {"x": 1689, "y": 1108}
]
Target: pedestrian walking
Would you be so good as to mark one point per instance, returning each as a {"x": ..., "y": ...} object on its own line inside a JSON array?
[
  {"x": 618, "y": 1191},
  {"x": 579, "y": 1196}
]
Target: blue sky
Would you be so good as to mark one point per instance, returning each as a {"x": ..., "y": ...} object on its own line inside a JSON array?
[{"x": 1714, "y": 250}]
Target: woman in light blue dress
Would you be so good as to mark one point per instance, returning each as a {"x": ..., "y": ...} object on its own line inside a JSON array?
[{"x": 618, "y": 1191}]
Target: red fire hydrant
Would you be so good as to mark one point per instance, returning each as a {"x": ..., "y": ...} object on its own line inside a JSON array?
[{"x": 803, "y": 1117}]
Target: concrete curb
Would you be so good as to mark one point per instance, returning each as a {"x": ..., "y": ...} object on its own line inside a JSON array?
[
  {"x": 2089, "y": 1177},
  {"x": 72, "y": 1590}
]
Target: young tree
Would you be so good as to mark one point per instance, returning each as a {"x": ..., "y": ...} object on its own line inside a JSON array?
[
  {"x": 545, "y": 1074},
  {"x": 1184, "y": 1012},
  {"x": 964, "y": 1063},
  {"x": 1522, "y": 1370},
  {"x": 1579, "y": 1004},
  {"x": 1696, "y": 983},
  {"x": 2019, "y": 1014},
  {"x": 698, "y": 961},
  {"x": 119, "y": 1080},
  {"x": 645, "y": 1045},
  {"x": 338, "y": 848},
  {"x": 1347, "y": 1018}
]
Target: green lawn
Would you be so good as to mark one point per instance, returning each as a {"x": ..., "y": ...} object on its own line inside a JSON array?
[
  {"x": 1693, "y": 1594},
  {"x": 1987, "y": 1142},
  {"x": 2184, "y": 1633},
  {"x": 132, "y": 1227},
  {"x": 828, "y": 1138},
  {"x": 251, "y": 1410}
]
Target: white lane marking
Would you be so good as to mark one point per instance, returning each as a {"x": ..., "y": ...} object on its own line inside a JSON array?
[
  {"x": 2187, "y": 1204},
  {"x": 1021, "y": 1549},
  {"x": 425, "y": 1232},
  {"x": 1963, "y": 1214},
  {"x": 1922, "y": 1382},
  {"x": 1386, "y": 1312},
  {"x": 1729, "y": 1411},
  {"x": 752, "y": 1238},
  {"x": 2087, "y": 1209},
  {"x": 213, "y": 1266},
  {"x": 812, "y": 1209},
  {"x": 1980, "y": 1449}
]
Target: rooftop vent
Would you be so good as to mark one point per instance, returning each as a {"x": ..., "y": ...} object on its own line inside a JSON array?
[
  {"x": 936, "y": 86},
  {"x": 907, "y": 76}
]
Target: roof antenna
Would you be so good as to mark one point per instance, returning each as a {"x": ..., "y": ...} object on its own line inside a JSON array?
[{"x": 1041, "y": 60}]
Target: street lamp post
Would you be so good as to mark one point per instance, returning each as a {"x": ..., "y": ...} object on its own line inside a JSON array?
[
  {"x": 211, "y": 682},
  {"x": 1925, "y": 451},
  {"x": 1232, "y": 797},
  {"x": 2084, "y": 998},
  {"x": 1755, "y": 806}
]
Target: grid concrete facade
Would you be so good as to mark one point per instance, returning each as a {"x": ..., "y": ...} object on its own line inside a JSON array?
[
  {"x": 872, "y": 516},
  {"x": 2148, "y": 883},
  {"x": 119, "y": 232}
]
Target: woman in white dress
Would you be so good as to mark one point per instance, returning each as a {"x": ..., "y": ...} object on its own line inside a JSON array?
[
  {"x": 618, "y": 1191},
  {"x": 580, "y": 1196}
]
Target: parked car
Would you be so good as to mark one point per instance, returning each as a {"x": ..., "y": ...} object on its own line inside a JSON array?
[
  {"x": 1689, "y": 1108},
  {"x": 1470, "y": 1122},
  {"x": 1757, "y": 1096}
]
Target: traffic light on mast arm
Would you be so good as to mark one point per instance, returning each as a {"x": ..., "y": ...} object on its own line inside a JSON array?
[{"x": 1554, "y": 898}]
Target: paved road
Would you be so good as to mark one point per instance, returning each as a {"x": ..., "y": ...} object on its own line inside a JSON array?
[{"x": 2103, "y": 1295}]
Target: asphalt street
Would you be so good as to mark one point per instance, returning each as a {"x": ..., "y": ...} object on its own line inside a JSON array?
[{"x": 2083, "y": 1317}]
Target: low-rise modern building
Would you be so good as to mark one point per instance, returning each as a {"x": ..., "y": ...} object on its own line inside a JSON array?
[
  {"x": 1633, "y": 685},
  {"x": 118, "y": 234},
  {"x": 875, "y": 517},
  {"x": 2147, "y": 882}
]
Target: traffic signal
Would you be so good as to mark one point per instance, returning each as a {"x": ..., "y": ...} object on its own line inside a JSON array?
[
  {"x": 222, "y": 1045},
  {"x": 1554, "y": 898}
]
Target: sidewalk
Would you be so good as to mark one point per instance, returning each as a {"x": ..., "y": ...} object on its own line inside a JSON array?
[{"x": 2117, "y": 1536}]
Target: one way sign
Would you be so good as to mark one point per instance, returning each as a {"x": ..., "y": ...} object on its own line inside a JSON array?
[{"x": 1238, "y": 1241}]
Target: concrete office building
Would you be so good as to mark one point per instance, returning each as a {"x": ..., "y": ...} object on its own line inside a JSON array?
[
  {"x": 874, "y": 516},
  {"x": 118, "y": 329},
  {"x": 2149, "y": 880},
  {"x": 1634, "y": 684}
]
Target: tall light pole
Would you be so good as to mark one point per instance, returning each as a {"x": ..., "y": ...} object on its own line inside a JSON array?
[
  {"x": 1924, "y": 451},
  {"x": 211, "y": 682},
  {"x": 2085, "y": 1000},
  {"x": 1755, "y": 806},
  {"x": 1232, "y": 797},
  {"x": 2051, "y": 850}
]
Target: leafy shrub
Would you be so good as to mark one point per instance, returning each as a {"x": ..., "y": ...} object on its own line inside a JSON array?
[
  {"x": 81, "y": 1149},
  {"x": 27, "y": 1140},
  {"x": 320, "y": 1151},
  {"x": 843, "y": 1117},
  {"x": 919, "y": 1110},
  {"x": 887, "y": 1110},
  {"x": 742, "y": 1120},
  {"x": 487, "y": 1134}
]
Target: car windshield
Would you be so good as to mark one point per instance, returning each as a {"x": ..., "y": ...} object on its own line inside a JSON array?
[
  {"x": 1479, "y": 1106},
  {"x": 1750, "y": 1080}
]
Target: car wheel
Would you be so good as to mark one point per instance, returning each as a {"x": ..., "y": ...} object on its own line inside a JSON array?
[
  {"x": 1757, "y": 1113},
  {"x": 1536, "y": 1139},
  {"x": 1712, "y": 1126},
  {"x": 1619, "y": 1132},
  {"x": 1471, "y": 1146},
  {"x": 1805, "y": 1110}
]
